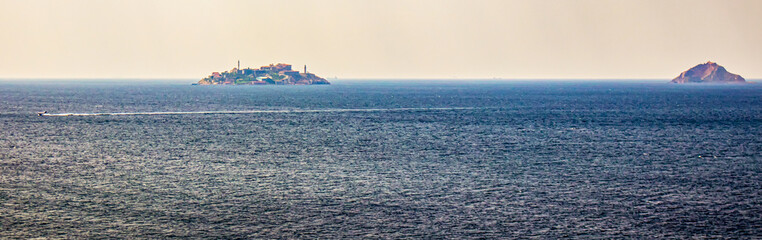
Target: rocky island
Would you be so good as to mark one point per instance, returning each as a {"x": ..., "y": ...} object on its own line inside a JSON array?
[
  {"x": 708, "y": 72},
  {"x": 277, "y": 74}
]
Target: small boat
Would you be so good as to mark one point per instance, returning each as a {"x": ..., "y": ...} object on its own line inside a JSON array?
[{"x": 41, "y": 113}]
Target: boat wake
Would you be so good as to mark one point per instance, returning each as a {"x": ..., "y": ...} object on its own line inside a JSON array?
[{"x": 254, "y": 111}]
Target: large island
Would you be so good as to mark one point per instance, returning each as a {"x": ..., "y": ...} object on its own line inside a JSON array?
[
  {"x": 278, "y": 74},
  {"x": 709, "y": 72}
]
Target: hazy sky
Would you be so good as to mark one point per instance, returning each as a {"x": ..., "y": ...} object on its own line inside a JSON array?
[{"x": 379, "y": 38}]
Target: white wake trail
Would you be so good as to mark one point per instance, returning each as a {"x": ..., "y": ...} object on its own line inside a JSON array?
[{"x": 256, "y": 111}]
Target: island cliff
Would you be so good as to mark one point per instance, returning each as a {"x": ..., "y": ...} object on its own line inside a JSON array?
[
  {"x": 279, "y": 74},
  {"x": 708, "y": 72}
]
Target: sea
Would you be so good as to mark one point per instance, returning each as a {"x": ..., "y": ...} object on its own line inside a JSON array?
[{"x": 380, "y": 159}]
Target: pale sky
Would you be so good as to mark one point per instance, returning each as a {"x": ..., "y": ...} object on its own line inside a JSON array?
[{"x": 617, "y": 39}]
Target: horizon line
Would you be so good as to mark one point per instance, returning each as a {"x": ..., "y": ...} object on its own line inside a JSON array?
[
  {"x": 340, "y": 78},
  {"x": 193, "y": 80}
]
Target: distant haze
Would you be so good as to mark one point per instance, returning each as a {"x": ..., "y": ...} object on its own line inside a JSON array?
[{"x": 379, "y": 39}]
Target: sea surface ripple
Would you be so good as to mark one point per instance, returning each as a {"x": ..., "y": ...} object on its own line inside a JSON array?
[{"x": 381, "y": 160}]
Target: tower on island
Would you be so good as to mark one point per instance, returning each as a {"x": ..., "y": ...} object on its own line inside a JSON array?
[
  {"x": 305, "y": 68},
  {"x": 239, "y": 65}
]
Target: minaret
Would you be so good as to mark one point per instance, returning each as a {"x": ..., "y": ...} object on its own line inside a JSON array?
[
  {"x": 305, "y": 68},
  {"x": 239, "y": 65}
]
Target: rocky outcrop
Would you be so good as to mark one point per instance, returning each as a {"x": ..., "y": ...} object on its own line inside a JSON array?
[{"x": 708, "y": 72}]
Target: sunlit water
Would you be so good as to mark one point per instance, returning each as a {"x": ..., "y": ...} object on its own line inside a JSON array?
[{"x": 381, "y": 160}]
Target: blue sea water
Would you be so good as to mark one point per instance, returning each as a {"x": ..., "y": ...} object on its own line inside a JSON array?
[{"x": 381, "y": 159}]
